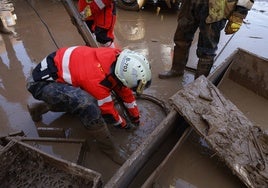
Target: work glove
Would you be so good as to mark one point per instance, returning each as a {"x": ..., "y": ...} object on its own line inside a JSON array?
[
  {"x": 233, "y": 25},
  {"x": 123, "y": 125},
  {"x": 86, "y": 13},
  {"x": 135, "y": 121},
  {"x": 128, "y": 126}
]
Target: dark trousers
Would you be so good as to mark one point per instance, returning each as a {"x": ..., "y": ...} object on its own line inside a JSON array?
[
  {"x": 62, "y": 97},
  {"x": 192, "y": 16}
]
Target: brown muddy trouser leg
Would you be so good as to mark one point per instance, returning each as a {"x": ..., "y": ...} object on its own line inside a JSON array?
[
  {"x": 203, "y": 67},
  {"x": 60, "y": 97},
  {"x": 192, "y": 16},
  {"x": 106, "y": 143},
  {"x": 183, "y": 37},
  {"x": 208, "y": 39}
]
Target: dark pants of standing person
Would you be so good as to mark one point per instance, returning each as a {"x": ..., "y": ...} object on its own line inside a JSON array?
[{"x": 192, "y": 16}]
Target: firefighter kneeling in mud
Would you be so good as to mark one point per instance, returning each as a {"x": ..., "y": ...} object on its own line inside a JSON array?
[{"x": 80, "y": 79}]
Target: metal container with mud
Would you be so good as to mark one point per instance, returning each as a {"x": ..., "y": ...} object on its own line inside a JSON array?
[
  {"x": 25, "y": 166},
  {"x": 231, "y": 122}
]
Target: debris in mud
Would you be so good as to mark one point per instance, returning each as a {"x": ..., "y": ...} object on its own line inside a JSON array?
[
  {"x": 240, "y": 144},
  {"x": 23, "y": 166}
]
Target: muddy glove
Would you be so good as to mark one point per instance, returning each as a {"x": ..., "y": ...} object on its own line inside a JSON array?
[
  {"x": 123, "y": 125},
  {"x": 128, "y": 125},
  {"x": 135, "y": 121},
  {"x": 233, "y": 24},
  {"x": 86, "y": 12}
]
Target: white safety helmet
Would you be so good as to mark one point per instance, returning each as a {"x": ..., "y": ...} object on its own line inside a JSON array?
[{"x": 133, "y": 70}]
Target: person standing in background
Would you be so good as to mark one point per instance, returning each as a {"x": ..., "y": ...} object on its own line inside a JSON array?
[
  {"x": 210, "y": 17},
  {"x": 100, "y": 17}
]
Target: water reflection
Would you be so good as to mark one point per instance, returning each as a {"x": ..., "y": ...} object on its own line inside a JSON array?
[{"x": 15, "y": 65}]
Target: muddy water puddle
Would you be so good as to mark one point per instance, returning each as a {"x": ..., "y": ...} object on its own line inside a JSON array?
[
  {"x": 128, "y": 140},
  {"x": 255, "y": 107},
  {"x": 193, "y": 163},
  {"x": 151, "y": 116},
  {"x": 43, "y": 26},
  {"x": 55, "y": 148},
  {"x": 24, "y": 166}
]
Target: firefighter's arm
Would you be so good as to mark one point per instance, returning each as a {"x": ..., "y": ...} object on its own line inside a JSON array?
[
  {"x": 129, "y": 101},
  {"x": 108, "y": 110},
  {"x": 240, "y": 12},
  {"x": 110, "y": 114},
  {"x": 106, "y": 104}
]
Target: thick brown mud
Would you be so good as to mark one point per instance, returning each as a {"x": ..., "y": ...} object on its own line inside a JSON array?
[{"x": 43, "y": 26}]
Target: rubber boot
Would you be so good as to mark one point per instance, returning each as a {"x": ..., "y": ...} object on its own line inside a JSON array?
[
  {"x": 37, "y": 109},
  {"x": 3, "y": 29},
  {"x": 107, "y": 145},
  {"x": 179, "y": 60},
  {"x": 203, "y": 67}
]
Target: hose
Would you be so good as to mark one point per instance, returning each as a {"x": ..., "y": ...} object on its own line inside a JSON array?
[
  {"x": 147, "y": 97},
  {"x": 155, "y": 100}
]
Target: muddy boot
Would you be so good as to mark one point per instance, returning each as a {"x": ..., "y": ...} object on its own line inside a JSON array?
[
  {"x": 179, "y": 60},
  {"x": 107, "y": 145},
  {"x": 36, "y": 110},
  {"x": 3, "y": 29},
  {"x": 203, "y": 67}
]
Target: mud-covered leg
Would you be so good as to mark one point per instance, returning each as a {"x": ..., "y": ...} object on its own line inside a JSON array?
[
  {"x": 207, "y": 46},
  {"x": 61, "y": 97},
  {"x": 203, "y": 67},
  {"x": 66, "y": 98},
  {"x": 183, "y": 37},
  {"x": 107, "y": 144}
]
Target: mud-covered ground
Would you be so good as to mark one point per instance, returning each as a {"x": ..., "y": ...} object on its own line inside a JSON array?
[{"x": 43, "y": 26}]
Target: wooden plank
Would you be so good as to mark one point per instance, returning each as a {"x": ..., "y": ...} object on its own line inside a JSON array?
[
  {"x": 54, "y": 132},
  {"x": 239, "y": 143},
  {"x": 18, "y": 157}
]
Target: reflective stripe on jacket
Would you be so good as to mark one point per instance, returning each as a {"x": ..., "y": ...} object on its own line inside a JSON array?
[{"x": 89, "y": 69}]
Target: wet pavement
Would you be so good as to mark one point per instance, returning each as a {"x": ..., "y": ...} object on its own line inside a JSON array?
[{"x": 43, "y": 26}]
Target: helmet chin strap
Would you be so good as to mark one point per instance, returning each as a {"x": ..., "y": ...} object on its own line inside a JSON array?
[{"x": 140, "y": 87}]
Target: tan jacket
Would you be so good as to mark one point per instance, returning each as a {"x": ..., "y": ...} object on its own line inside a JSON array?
[{"x": 222, "y": 9}]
